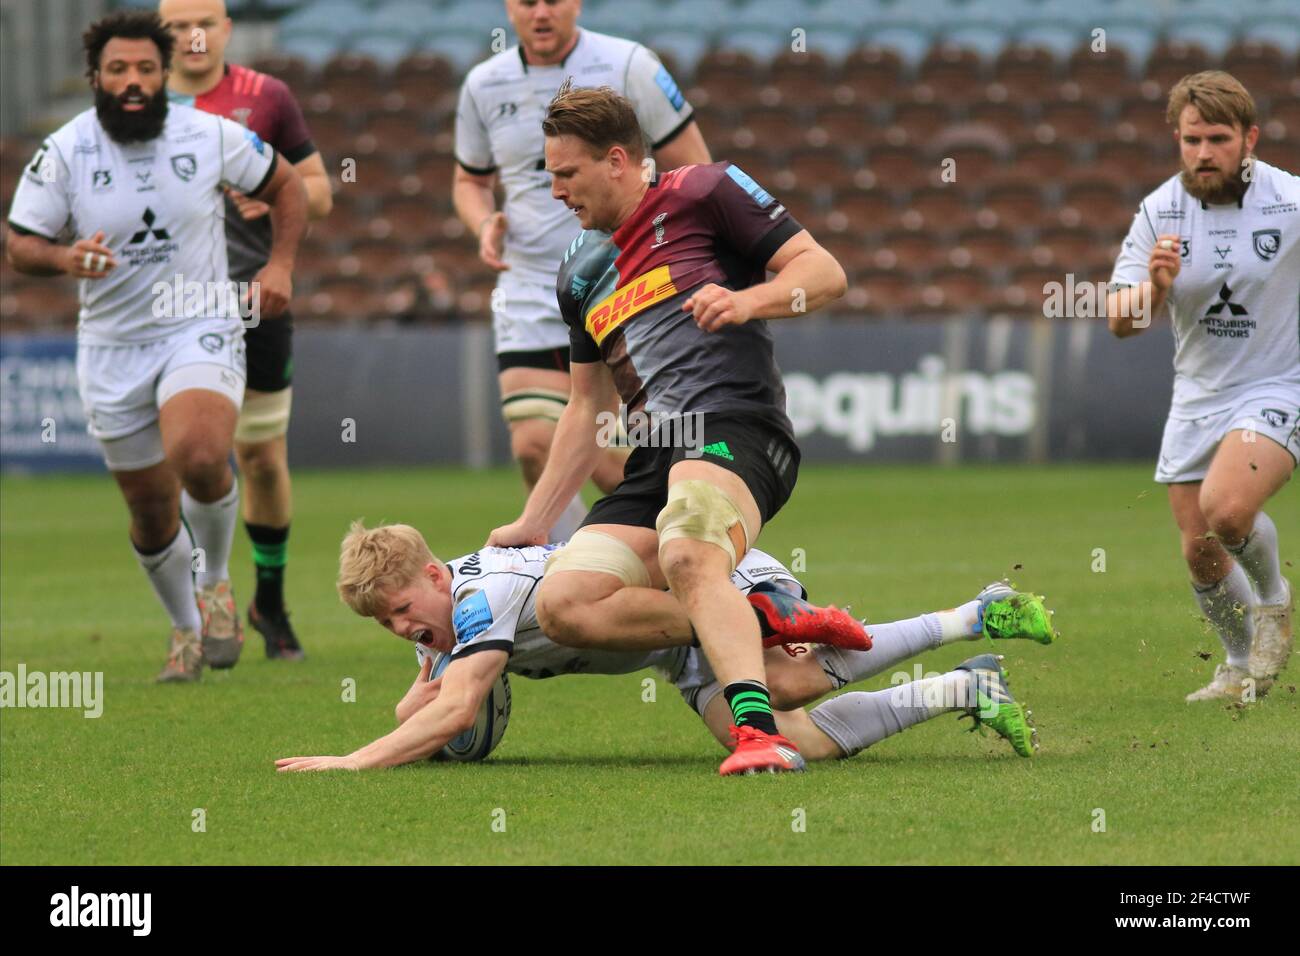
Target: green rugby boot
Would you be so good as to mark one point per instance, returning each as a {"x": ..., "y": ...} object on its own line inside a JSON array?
[
  {"x": 1006, "y": 613},
  {"x": 996, "y": 708}
]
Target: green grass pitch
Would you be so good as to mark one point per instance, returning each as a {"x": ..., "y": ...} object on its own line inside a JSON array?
[{"x": 588, "y": 772}]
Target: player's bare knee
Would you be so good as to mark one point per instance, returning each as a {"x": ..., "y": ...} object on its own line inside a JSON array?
[
  {"x": 261, "y": 463},
  {"x": 685, "y": 564},
  {"x": 563, "y": 617},
  {"x": 204, "y": 471},
  {"x": 529, "y": 448},
  {"x": 1230, "y": 518}
]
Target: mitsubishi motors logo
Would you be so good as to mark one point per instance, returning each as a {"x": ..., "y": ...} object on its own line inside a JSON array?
[
  {"x": 159, "y": 233},
  {"x": 1234, "y": 325},
  {"x": 1225, "y": 301}
]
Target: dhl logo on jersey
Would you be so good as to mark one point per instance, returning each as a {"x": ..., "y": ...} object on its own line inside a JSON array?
[{"x": 625, "y": 302}]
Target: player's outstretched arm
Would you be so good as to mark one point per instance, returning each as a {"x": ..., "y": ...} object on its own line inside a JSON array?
[
  {"x": 806, "y": 278},
  {"x": 571, "y": 460},
  {"x": 465, "y": 685}
]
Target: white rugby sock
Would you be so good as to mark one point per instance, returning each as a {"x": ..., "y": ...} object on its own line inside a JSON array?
[
  {"x": 213, "y": 528},
  {"x": 897, "y": 641},
  {"x": 1258, "y": 556},
  {"x": 857, "y": 720},
  {"x": 1227, "y": 605},
  {"x": 569, "y": 522},
  {"x": 961, "y": 623},
  {"x": 172, "y": 577}
]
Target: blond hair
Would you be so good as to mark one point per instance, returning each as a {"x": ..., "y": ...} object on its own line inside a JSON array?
[
  {"x": 599, "y": 117},
  {"x": 1219, "y": 97},
  {"x": 374, "y": 562}
]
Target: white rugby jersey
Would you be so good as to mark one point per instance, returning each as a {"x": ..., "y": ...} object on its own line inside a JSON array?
[
  {"x": 1235, "y": 304},
  {"x": 499, "y": 128},
  {"x": 160, "y": 208},
  {"x": 494, "y": 607}
]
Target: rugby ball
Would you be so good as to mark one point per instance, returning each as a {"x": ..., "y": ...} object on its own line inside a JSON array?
[{"x": 490, "y": 725}]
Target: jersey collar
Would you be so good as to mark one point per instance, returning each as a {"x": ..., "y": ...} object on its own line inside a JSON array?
[{"x": 1241, "y": 200}]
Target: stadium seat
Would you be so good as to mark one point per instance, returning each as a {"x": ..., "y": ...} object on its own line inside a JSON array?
[
  {"x": 1145, "y": 116},
  {"x": 1135, "y": 39},
  {"x": 986, "y": 42},
  {"x": 868, "y": 210},
  {"x": 985, "y": 248},
  {"x": 1212, "y": 36},
  {"x": 758, "y": 44},
  {"x": 290, "y": 69},
  {"x": 1100, "y": 76},
  {"x": 385, "y": 49},
  {"x": 872, "y": 73},
  {"x": 312, "y": 49},
  {"x": 943, "y": 208},
  {"x": 846, "y": 126},
  {"x": 703, "y": 17},
  {"x": 1025, "y": 71},
  {"x": 954, "y": 73},
  {"x": 1171, "y": 60},
  {"x": 683, "y": 49},
  {"x": 920, "y": 115},
  {"x": 960, "y": 290},
  {"x": 1283, "y": 34},
  {"x": 1056, "y": 38},
  {"x": 888, "y": 291},
  {"x": 817, "y": 169},
  {"x": 411, "y": 17},
  {"x": 802, "y": 77},
  {"x": 910, "y": 43},
  {"x": 339, "y": 19},
  {"x": 1262, "y": 67},
  {"x": 1080, "y": 120},
  {"x": 461, "y": 47},
  {"x": 1044, "y": 162},
  {"x": 1007, "y": 118}
]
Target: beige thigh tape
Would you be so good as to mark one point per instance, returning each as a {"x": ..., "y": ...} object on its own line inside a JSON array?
[
  {"x": 264, "y": 416},
  {"x": 597, "y": 551}
]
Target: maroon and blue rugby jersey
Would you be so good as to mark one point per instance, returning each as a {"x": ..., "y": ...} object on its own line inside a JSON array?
[{"x": 621, "y": 294}]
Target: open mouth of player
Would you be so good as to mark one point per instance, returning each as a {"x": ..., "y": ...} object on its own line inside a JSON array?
[
  {"x": 424, "y": 637},
  {"x": 134, "y": 101}
]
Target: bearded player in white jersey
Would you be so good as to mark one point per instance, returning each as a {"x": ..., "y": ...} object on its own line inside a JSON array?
[
  {"x": 1217, "y": 249},
  {"x": 499, "y": 139},
  {"x": 481, "y": 610},
  {"x": 136, "y": 186}
]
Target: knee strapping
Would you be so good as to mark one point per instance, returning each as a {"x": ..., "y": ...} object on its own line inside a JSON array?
[
  {"x": 701, "y": 512},
  {"x": 529, "y": 403},
  {"x": 595, "y": 551}
]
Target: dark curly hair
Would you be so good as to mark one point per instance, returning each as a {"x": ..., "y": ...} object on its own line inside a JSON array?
[{"x": 130, "y": 25}]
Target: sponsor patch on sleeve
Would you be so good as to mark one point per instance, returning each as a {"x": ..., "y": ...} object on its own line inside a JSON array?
[
  {"x": 256, "y": 141},
  {"x": 473, "y": 616},
  {"x": 665, "y": 81},
  {"x": 743, "y": 180}
]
